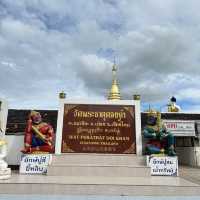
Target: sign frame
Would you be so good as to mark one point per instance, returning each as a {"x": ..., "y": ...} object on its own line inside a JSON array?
[{"x": 135, "y": 103}]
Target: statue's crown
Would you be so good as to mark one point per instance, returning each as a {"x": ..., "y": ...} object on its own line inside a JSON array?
[
  {"x": 152, "y": 112},
  {"x": 33, "y": 113}
]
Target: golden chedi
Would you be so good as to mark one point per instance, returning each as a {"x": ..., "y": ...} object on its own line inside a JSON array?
[{"x": 114, "y": 93}]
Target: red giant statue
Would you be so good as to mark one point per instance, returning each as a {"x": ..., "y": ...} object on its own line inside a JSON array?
[{"x": 39, "y": 136}]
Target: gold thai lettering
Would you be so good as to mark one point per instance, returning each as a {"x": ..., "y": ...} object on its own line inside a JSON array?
[
  {"x": 104, "y": 115},
  {"x": 113, "y": 130},
  {"x": 89, "y": 130},
  {"x": 118, "y": 124},
  {"x": 78, "y": 123}
]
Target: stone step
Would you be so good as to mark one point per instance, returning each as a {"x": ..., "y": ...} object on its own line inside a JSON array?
[
  {"x": 95, "y": 170},
  {"x": 98, "y": 159},
  {"x": 104, "y": 186}
]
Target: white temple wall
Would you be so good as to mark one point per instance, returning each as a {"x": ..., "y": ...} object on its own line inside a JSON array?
[
  {"x": 15, "y": 145},
  {"x": 3, "y": 114},
  {"x": 189, "y": 156}
]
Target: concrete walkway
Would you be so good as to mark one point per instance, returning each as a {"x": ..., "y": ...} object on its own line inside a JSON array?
[
  {"x": 190, "y": 173},
  {"x": 118, "y": 186},
  {"x": 187, "y": 184}
]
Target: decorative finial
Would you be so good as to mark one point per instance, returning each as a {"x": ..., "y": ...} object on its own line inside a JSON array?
[
  {"x": 136, "y": 97},
  {"x": 62, "y": 95},
  {"x": 114, "y": 91},
  {"x": 172, "y": 106}
]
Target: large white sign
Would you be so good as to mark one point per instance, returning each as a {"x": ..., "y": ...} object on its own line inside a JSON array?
[
  {"x": 163, "y": 165},
  {"x": 35, "y": 163},
  {"x": 180, "y": 127}
]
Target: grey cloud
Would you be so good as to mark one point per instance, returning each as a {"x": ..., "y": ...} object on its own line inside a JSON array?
[{"x": 47, "y": 46}]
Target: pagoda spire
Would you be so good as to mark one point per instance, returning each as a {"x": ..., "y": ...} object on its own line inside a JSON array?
[{"x": 114, "y": 93}]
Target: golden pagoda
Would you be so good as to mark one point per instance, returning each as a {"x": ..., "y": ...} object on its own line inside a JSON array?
[{"x": 114, "y": 93}]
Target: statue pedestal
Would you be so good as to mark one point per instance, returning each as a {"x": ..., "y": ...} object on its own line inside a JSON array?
[
  {"x": 162, "y": 165},
  {"x": 5, "y": 172}
]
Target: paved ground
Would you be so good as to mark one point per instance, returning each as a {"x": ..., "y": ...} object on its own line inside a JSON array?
[
  {"x": 190, "y": 174},
  {"x": 188, "y": 183},
  {"x": 118, "y": 186},
  {"x": 68, "y": 197}
]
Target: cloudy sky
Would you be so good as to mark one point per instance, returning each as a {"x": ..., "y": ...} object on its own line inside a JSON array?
[{"x": 51, "y": 45}]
